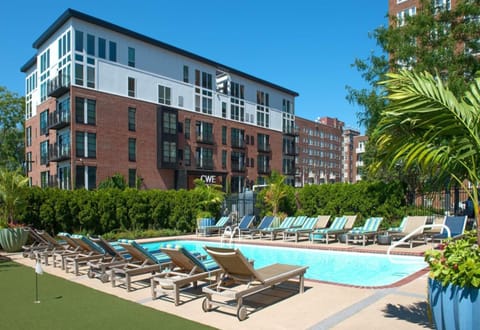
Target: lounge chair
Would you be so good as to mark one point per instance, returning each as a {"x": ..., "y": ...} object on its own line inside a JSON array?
[
  {"x": 308, "y": 227},
  {"x": 149, "y": 264},
  {"x": 244, "y": 225},
  {"x": 369, "y": 230},
  {"x": 325, "y": 234},
  {"x": 265, "y": 223},
  {"x": 456, "y": 224},
  {"x": 273, "y": 231},
  {"x": 240, "y": 279},
  {"x": 217, "y": 227},
  {"x": 398, "y": 229},
  {"x": 37, "y": 243},
  {"x": 203, "y": 224},
  {"x": 72, "y": 249},
  {"x": 187, "y": 269},
  {"x": 101, "y": 268},
  {"x": 410, "y": 224},
  {"x": 91, "y": 252}
]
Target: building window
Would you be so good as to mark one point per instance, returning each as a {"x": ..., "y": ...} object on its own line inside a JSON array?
[
  {"x": 185, "y": 73},
  {"x": 86, "y": 144},
  {"x": 102, "y": 48},
  {"x": 204, "y": 132},
  {"x": 169, "y": 152},
  {"x": 187, "y": 156},
  {"x": 132, "y": 149},
  {"x": 263, "y": 142},
  {"x": 263, "y": 164},
  {"x": 238, "y": 138},
  {"x": 90, "y": 76},
  {"x": 86, "y": 177},
  {"x": 63, "y": 177},
  {"x": 44, "y": 153},
  {"x": 204, "y": 158},
  {"x": 112, "y": 54},
  {"x": 224, "y": 109},
  {"x": 79, "y": 74},
  {"x": 28, "y": 161},
  {"x": 85, "y": 117},
  {"x": 203, "y": 92},
  {"x": 169, "y": 123},
  {"x": 131, "y": 119},
  {"x": 131, "y": 57},
  {"x": 90, "y": 45},
  {"x": 131, "y": 86},
  {"x": 224, "y": 135},
  {"x": 43, "y": 122},
  {"x": 164, "y": 95},
  {"x": 44, "y": 179},
  {"x": 237, "y": 161},
  {"x": 132, "y": 177},
  {"x": 224, "y": 159},
  {"x": 79, "y": 41},
  {"x": 28, "y": 135},
  {"x": 187, "y": 128}
]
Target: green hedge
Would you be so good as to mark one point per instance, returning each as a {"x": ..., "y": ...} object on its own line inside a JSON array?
[
  {"x": 113, "y": 210},
  {"x": 107, "y": 210}
]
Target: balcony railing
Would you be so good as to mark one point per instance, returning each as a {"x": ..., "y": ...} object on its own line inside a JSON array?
[
  {"x": 264, "y": 170},
  {"x": 292, "y": 151},
  {"x": 58, "y": 86},
  {"x": 238, "y": 167},
  {"x": 289, "y": 130},
  {"x": 205, "y": 138},
  {"x": 58, "y": 119},
  {"x": 53, "y": 181},
  {"x": 58, "y": 152},
  {"x": 205, "y": 164},
  {"x": 289, "y": 171},
  {"x": 262, "y": 147},
  {"x": 239, "y": 144}
]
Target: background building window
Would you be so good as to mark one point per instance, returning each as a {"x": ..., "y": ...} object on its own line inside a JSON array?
[
  {"x": 131, "y": 87},
  {"x": 164, "y": 95},
  {"x": 131, "y": 119},
  {"x": 132, "y": 149},
  {"x": 131, "y": 57}
]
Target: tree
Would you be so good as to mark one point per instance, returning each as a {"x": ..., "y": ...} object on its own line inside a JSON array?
[
  {"x": 12, "y": 148},
  {"x": 211, "y": 198},
  {"x": 433, "y": 40},
  {"x": 12, "y": 184},
  {"x": 425, "y": 124},
  {"x": 276, "y": 191}
]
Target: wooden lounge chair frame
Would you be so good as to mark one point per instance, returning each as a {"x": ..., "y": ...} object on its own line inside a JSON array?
[
  {"x": 264, "y": 224},
  {"x": 100, "y": 268},
  {"x": 188, "y": 269},
  {"x": 125, "y": 272},
  {"x": 362, "y": 234},
  {"x": 411, "y": 224},
  {"x": 240, "y": 279}
]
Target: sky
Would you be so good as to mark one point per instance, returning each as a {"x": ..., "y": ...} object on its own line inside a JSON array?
[{"x": 307, "y": 46}]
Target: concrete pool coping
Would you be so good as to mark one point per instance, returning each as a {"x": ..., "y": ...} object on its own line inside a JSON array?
[{"x": 322, "y": 306}]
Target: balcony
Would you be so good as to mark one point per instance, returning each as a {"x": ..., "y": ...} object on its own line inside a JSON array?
[
  {"x": 205, "y": 164},
  {"x": 58, "y": 119},
  {"x": 53, "y": 181},
  {"x": 289, "y": 130},
  {"x": 58, "y": 86},
  {"x": 238, "y": 167},
  {"x": 262, "y": 147},
  {"x": 290, "y": 151},
  {"x": 205, "y": 138},
  {"x": 239, "y": 144},
  {"x": 289, "y": 171},
  {"x": 264, "y": 170},
  {"x": 58, "y": 152}
]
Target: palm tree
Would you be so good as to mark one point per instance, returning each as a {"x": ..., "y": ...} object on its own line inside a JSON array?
[
  {"x": 12, "y": 184},
  {"x": 275, "y": 191},
  {"x": 426, "y": 125}
]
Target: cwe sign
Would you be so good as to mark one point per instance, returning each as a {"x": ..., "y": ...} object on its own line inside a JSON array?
[{"x": 209, "y": 179}]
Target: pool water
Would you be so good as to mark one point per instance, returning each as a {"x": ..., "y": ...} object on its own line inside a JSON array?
[{"x": 359, "y": 269}]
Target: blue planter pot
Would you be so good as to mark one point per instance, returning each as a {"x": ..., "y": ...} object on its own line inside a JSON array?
[
  {"x": 454, "y": 307},
  {"x": 12, "y": 239}
]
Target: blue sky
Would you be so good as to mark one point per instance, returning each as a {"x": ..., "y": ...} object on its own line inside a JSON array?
[{"x": 305, "y": 46}]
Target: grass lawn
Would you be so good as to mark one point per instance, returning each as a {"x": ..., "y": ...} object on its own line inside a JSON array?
[{"x": 68, "y": 305}]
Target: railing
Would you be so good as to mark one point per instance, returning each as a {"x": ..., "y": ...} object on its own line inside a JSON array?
[
  {"x": 205, "y": 138},
  {"x": 205, "y": 164},
  {"x": 264, "y": 148},
  {"x": 239, "y": 144},
  {"x": 58, "y": 86},
  {"x": 58, "y": 152},
  {"x": 413, "y": 233},
  {"x": 238, "y": 167},
  {"x": 290, "y": 130},
  {"x": 58, "y": 119}
]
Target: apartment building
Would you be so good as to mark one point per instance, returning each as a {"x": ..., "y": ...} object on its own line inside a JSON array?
[
  {"x": 359, "y": 143},
  {"x": 319, "y": 149},
  {"x": 349, "y": 155},
  {"x": 104, "y": 100}
]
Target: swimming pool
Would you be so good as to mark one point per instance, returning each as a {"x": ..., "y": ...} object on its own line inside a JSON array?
[{"x": 351, "y": 268}]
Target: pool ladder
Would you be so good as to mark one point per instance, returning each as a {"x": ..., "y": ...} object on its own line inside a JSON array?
[
  {"x": 449, "y": 234},
  {"x": 229, "y": 232}
]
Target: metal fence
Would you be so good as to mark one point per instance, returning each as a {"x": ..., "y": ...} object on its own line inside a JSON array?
[{"x": 239, "y": 205}]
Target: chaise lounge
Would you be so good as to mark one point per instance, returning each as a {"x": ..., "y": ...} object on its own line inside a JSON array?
[
  {"x": 188, "y": 269},
  {"x": 240, "y": 279}
]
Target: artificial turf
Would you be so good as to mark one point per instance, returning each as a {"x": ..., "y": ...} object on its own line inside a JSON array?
[{"x": 67, "y": 305}]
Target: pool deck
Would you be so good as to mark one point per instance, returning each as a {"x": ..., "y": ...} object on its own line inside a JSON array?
[{"x": 321, "y": 306}]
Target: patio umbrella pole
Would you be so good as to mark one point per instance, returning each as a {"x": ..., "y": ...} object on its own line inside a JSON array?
[{"x": 38, "y": 270}]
